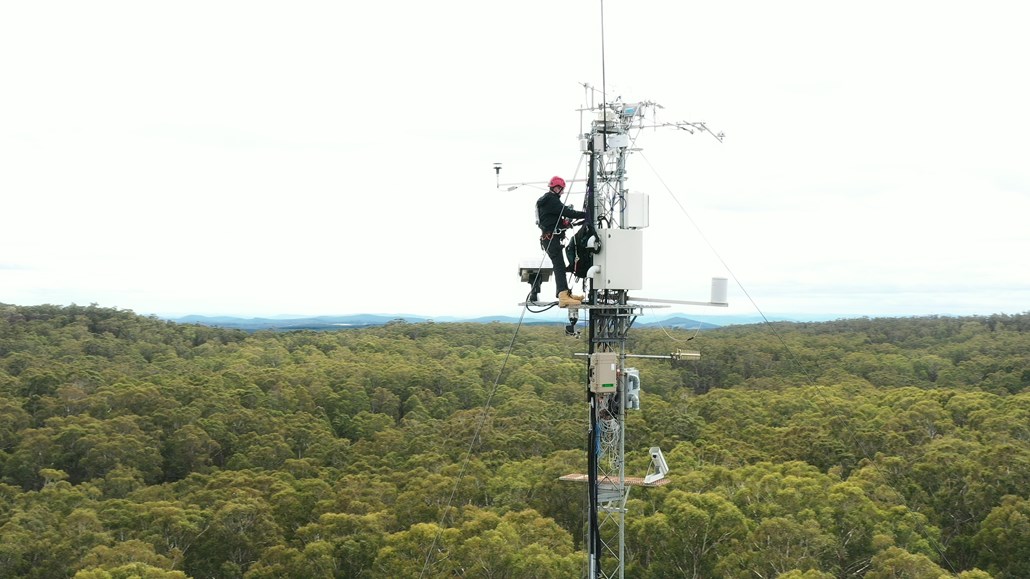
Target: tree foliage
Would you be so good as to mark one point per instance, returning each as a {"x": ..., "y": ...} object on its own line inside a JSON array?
[{"x": 135, "y": 447}]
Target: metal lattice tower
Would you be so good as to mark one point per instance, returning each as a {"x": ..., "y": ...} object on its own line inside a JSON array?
[
  {"x": 607, "y": 446},
  {"x": 617, "y": 218},
  {"x": 609, "y": 322}
]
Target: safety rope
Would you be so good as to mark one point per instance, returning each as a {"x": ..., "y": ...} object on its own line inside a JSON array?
[{"x": 489, "y": 399}]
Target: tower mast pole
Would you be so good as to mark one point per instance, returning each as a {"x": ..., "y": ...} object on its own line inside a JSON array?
[{"x": 609, "y": 321}]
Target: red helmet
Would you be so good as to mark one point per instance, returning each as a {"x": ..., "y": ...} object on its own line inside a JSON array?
[{"x": 557, "y": 182}]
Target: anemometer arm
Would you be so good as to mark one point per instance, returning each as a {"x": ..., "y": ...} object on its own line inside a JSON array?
[
  {"x": 718, "y": 297},
  {"x": 508, "y": 187}
]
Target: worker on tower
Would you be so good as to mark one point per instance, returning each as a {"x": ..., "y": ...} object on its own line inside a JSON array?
[{"x": 553, "y": 218}]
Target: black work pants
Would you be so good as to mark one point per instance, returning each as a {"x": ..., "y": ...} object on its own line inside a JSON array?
[{"x": 556, "y": 252}]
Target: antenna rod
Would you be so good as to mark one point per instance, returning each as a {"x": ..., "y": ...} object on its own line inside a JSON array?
[
  {"x": 604, "y": 78},
  {"x": 595, "y": 545}
]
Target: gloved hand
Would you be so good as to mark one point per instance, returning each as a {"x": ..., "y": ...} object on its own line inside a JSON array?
[{"x": 566, "y": 223}]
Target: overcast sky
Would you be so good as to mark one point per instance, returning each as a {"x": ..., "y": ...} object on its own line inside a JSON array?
[{"x": 301, "y": 158}]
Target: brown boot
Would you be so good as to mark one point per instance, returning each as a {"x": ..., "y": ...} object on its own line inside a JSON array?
[
  {"x": 575, "y": 297},
  {"x": 565, "y": 300}
]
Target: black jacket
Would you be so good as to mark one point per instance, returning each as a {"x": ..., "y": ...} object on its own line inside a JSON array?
[{"x": 549, "y": 210}]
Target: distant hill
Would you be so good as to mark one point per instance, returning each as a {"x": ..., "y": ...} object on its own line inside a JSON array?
[
  {"x": 285, "y": 323},
  {"x": 310, "y": 323},
  {"x": 366, "y": 320},
  {"x": 680, "y": 323}
]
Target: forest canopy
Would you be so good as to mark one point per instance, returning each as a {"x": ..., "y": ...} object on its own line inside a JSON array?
[{"x": 136, "y": 447}]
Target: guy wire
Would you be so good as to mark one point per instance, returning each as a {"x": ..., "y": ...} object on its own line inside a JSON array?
[
  {"x": 797, "y": 362},
  {"x": 486, "y": 406}
]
